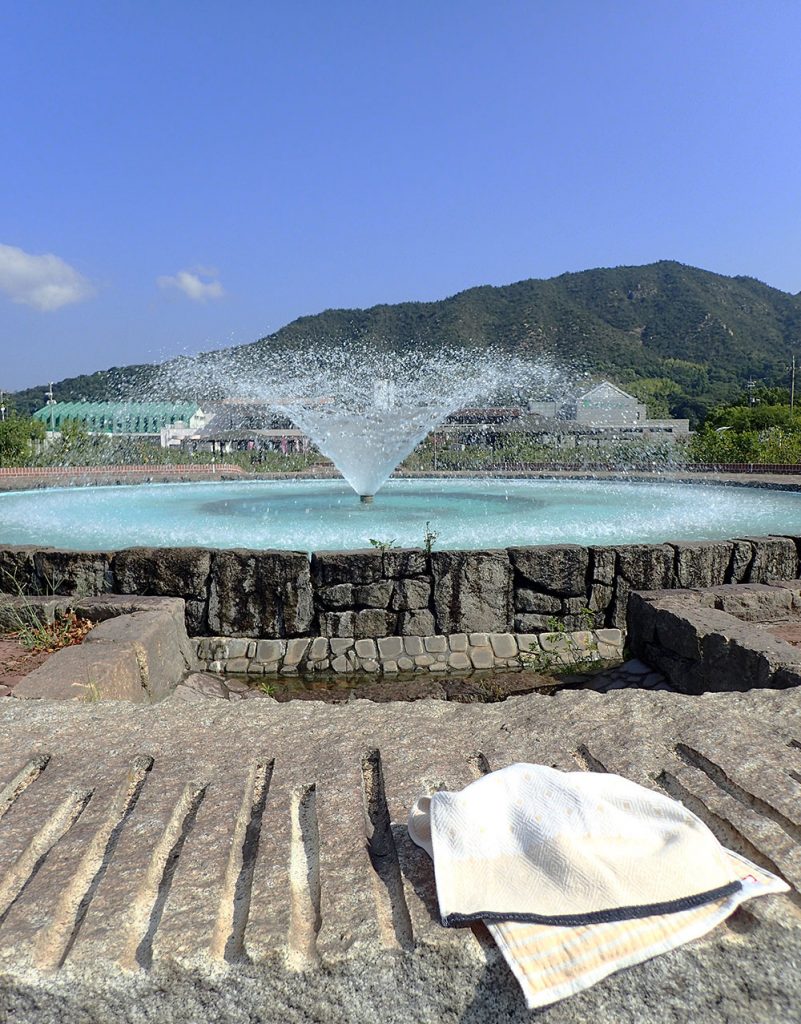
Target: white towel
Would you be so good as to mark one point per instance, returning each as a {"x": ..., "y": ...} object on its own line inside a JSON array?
[{"x": 577, "y": 874}]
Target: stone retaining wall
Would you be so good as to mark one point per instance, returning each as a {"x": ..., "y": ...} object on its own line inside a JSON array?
[
  {"x": 371, "y": 594},
  {"x": 718, "y": 639},
  {"x": 459, "y": 652}
]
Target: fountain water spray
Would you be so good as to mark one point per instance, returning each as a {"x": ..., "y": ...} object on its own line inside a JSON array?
[{"x": 367, "y": 409}]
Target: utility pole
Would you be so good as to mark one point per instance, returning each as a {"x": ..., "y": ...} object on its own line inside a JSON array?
[
  {"x": 2, "y": 406},
  {"x": 792, "y": 389},
  {"x": 51, "y": 402}
]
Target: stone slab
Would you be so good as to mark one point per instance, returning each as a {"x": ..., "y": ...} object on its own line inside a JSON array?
[
  {"x": 138, "y": 656},
  {"x": 250, "y": 861}
]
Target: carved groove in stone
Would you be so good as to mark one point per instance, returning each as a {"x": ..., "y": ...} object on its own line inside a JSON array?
[
  {"x": 147, "y": 908},
  {"x": 30, "y": 860},
  {"x": 796, "y": 776},
  {"x": 724, "y": 831},
  {"x": 697, "y": 760},
  {"x": 229, "y": 931},
  {"x": 304, "y": 879},
  {"x": 586, "y": 761},
  {"x": 394, "y": 920},
  {"x": 53, "y": 944},
  {"x": 30, "y": 773}
]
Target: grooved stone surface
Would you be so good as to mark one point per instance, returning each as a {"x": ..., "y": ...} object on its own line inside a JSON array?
[{"x": 250, "y": 861}]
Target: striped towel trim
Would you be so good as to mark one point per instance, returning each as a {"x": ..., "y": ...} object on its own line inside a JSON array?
[
  {"x": 599, "y": 916},
  {"x": 552, "y": 962}
]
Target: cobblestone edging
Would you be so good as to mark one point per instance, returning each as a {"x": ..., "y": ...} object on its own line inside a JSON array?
[{"x": 458, "y": 652}]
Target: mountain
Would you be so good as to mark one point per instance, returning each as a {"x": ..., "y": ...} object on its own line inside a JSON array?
[{"x": 681, "y": 338}]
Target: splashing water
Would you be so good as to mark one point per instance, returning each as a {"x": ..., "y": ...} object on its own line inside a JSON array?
[{"x": 367, "y": 410}]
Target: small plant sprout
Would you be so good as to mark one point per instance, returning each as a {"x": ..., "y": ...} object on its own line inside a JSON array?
[
  {"x": 568, "y": 650},
  {"x": 429, "y": 537},
  {"x": 382, "y": 545}
]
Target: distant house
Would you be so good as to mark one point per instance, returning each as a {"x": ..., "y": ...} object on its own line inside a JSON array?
[
  {"x": 604, "y": 405},
  {"x": 243, "y": 425},
  {"x": 598, "y": 413},
  {"x": 591, "y": 416}
]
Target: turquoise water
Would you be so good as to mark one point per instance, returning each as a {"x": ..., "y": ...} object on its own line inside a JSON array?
[{"x": 306, "y": 515}]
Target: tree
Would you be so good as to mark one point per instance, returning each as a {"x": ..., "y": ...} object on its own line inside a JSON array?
[{"x": 17, "y": 437}]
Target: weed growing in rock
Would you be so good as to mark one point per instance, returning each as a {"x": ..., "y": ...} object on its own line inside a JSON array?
[
  {"x": 429, "y": 537},
  {"x": 568, "y": 653},
  {"x": 382, "y": 545}
]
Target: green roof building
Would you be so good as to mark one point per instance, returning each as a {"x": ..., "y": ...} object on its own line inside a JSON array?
[{"x": 121, "y": 417}]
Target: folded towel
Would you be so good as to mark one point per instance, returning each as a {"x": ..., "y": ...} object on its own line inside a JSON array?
[{"x": 577, "y": 874}]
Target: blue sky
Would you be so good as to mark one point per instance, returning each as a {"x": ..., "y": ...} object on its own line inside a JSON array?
[{"x": 187, "y": 174}]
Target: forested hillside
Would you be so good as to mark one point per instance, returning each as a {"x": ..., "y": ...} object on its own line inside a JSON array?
[{"x": 681, "y": 338}]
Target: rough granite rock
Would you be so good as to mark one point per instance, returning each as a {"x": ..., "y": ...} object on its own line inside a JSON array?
[
  {"x": 373, "y": 622},
  {"x": 754, "y": 602},
  {"x": 18, "y": 570},
  {"x": 702, "y": 563},
  {"x": 373, "y": 595},
  {"x": 174, "y": 572},
  {"x": 249, "y": 861},
  {"x": 556, "y": 568},
  {"x": 337, "y": 624},
  {"x": 339, "y": 596},
  {"x": 741, "y": 559},
  {"x": 399, "y": 563},
  {"x": 602, "y": 565},
  {"x": 646, "y": 566},
  {"x": 702, "y": 648},
  {"x": 266, "y": 593},
  {"x": 73, "y": 573},
  {"x": 775, "y": 558},
  {"x": 416, "y": 623},
  {"x": 411, "y": 594},
  {"x": 472, "y": 591},
  {"x": 640, "y": 567},
  {"x": 532, "y": 601},
  {"x": 139, "y": 656},
  {"x": 330, "y": 568}
]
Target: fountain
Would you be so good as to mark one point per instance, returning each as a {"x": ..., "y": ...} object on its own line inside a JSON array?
[{"x": 367, "y": 410}]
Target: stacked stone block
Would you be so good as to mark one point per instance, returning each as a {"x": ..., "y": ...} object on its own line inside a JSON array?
[{"x": 366, "y": 595}]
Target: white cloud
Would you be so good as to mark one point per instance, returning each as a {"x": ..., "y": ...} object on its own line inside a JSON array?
[
  {"x": 193, "y": 285},
  {"x": 44, "y": 282}
]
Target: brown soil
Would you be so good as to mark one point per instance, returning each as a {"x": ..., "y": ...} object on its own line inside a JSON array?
[
  {"x": 790, "y": 632},
  {"x": 16, "y": 661}
]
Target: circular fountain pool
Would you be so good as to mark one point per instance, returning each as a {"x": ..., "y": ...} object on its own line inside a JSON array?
[{"x": 309, "y": 515}]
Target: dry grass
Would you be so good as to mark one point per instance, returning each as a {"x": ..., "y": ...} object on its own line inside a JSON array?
[{"x": 49, "y": 637}]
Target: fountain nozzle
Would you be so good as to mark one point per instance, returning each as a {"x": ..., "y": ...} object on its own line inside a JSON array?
[{"x": 366, "y": 499}]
